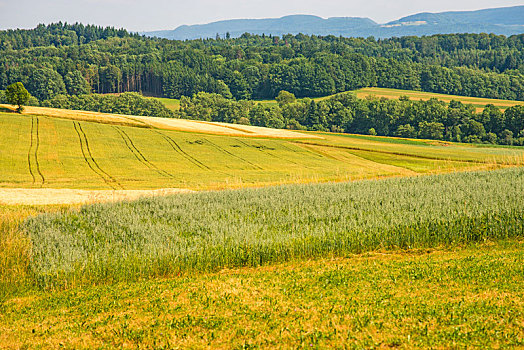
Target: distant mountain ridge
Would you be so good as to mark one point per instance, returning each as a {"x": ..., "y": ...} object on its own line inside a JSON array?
[
  {"x": 288, "y": 24},
  {"x": 507, "y": 16},
  {"x": 504, "y": 20}
]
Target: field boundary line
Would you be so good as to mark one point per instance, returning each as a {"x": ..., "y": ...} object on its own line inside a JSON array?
[
  {"x": 249, "y": 132},
  {"x": 389, "y": 152}
]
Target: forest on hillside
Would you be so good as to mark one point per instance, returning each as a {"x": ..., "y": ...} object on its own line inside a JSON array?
[
  {"x": 217, "y": 80},
  {"x": 77, "y": 59}
]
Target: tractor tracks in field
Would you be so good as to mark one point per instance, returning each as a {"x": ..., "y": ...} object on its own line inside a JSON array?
[
  {"x": 90, "y": 160},
  {"x": 261, "y": 149},
  {"x": 304, "y": 150},
  {"x": 138, "y": 154},
  {"x": 225, "y": 151},
  {"x": 281, "y": 157},
  {"x": 33, "y": 152},
  {"x": 30, "y": 151},
  {"x": 176, "y": 147}
]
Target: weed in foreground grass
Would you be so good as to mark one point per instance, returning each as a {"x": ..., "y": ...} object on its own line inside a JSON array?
[{"x": 209, "y": 231}]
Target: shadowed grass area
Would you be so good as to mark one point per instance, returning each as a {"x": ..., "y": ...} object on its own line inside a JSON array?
[{"x": 469, "y": 297}]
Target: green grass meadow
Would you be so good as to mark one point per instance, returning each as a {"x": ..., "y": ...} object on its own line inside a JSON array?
[
  {"x": 170, "y": 103},
  {"x": 469, "y": 297},
  {"x": 252, "y": 227},
  {"x": 479, "y": 103}
]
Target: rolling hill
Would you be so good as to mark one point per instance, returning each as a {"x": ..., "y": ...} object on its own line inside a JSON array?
[
  {"x": 504, "y": 20},
  {"x": 288, "y": 24},
  {"x": 401, "y": 262},
  {"x": 59, "y": 149},
  {"x": 479, "y": 103}
]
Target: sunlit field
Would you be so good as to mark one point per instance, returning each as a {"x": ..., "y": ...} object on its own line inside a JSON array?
[
  {"x": 48, "y": 152},
  {"x": 326, "y": 240}
]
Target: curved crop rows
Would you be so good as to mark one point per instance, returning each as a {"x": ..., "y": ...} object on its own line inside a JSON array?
[
  {"x": 33, "y": 151},
  {"x": 90, "y": 160},
  {"x": 138, "y": 154},
  {"x": 174, "y": 145}
]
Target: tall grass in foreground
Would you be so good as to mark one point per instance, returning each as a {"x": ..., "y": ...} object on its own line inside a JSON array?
[
  {"x": 211, "y": 230},
  {"x": 14, "y": 257},
  {"x": 15, "y": 248}
]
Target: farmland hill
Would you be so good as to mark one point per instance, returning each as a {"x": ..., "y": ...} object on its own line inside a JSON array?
[
  {"x": 504, "y": 21},
  {"x": 58, "y": 149}
]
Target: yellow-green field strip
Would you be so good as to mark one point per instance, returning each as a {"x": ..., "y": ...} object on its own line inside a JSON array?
[{"x": 48, "y": 152}]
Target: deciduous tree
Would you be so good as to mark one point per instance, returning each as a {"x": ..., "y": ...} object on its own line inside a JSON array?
[{"x": 16, "y": 94}]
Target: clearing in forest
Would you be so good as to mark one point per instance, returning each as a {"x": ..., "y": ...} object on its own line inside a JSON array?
[{"x": 478, "y": 102}]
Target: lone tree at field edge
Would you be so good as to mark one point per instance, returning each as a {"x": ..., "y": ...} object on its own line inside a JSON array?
[{"x": 16, "y": 94}]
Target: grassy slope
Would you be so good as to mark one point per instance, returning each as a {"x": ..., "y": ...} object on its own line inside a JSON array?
[
  {"x": 170, "y": 103},
  {"x": 438, "y": 299},
  {"x": 478, "y": 102},
  {"x": 52, "y": 152},
  {"x": 465, "y": 297}
]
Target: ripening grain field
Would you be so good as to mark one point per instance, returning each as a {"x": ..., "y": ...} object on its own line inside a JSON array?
[
  {"x": 50, "y": 152},
  {"x": 478, "y": 102},
  {"x": 252, "y": 227}
]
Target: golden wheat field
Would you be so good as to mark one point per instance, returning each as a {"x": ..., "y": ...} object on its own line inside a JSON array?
[{"x": 60, "y": 149}]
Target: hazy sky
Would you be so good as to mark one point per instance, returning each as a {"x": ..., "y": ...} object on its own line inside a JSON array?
[{"x": 138, "y": 15}]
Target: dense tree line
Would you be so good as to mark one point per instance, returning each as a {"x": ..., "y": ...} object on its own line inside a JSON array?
[
  {"x": 76, "y": 59},
  {"x": 130, "y": 103},
  {"x": 432, "y": 119},
  {"x": 57, "y": 34}
]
